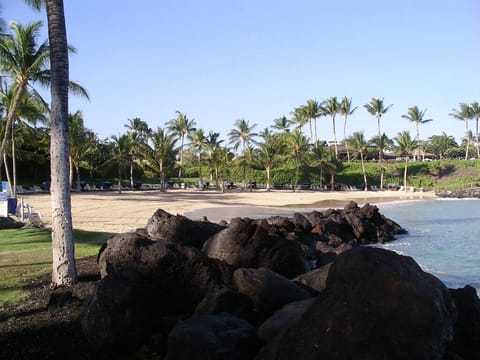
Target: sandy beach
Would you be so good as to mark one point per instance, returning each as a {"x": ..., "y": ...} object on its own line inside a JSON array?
[{"x": 113, "y": 212}]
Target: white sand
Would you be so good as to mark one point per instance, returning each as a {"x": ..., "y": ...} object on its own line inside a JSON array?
[{"x": 112, "y": 212}]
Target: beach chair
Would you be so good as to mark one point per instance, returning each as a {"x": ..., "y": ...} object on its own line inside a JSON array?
[{"x": 35, "y": 219}]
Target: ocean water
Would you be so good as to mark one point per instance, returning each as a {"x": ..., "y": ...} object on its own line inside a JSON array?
[
  {"x": 443, "y": 238},
  {"x": 443, "y": 235}
]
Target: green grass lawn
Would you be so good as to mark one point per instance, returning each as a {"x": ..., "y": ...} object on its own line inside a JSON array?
[{"x": 26, "y": 253}]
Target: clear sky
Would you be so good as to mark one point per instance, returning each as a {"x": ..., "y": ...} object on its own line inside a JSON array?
[{"x": 219, "y": 61}]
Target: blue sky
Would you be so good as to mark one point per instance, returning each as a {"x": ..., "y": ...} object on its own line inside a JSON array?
[{"x": 219, "y": 61}]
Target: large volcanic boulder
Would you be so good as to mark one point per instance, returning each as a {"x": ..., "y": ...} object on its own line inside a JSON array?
[
  {"x": 250, "y": 243},
  {"x": 214, "y": 337},
  {"x": 269, "y": 291},
  {"x": 466, "y": 342},
  {"x": 180, "y": 229},
  {"x": 377, "y": 305},
  {"x": 120, "y": 311}
]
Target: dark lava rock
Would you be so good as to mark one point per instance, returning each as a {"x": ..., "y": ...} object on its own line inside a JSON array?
[
  {"x": 214, "y": 337},
  {"x": 377, "y": 305},
  {"x": 466, "y": 341},
  {"x": 249, "y": 243},
  {"x": 180, "y": 229},
  {"x": 269, "y": 291}
]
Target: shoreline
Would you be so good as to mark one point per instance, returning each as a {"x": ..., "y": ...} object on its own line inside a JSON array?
[{"x": 112, "y": 212}]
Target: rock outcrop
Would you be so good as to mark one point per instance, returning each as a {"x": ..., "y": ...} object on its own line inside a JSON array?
[{"x": 276, "y": 288}]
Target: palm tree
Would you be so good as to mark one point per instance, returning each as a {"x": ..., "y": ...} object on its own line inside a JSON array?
[
  {"x": 405, "y": 145},
  {"x": 268, "y": 155},
  {"x": 312, "y": 110},
  {"x": 439, "y": 144},
  {"x": 360, "y": 145},
  {"x": 121, "y": 155},
  {"x": 282, "y": 124},
  {"x": 475, "y": 113},
  {"x": 82, "y": 143},
  {"x": 243, "y": 135},
  {"x": 159, "y": 152},
  {"x": 464, "y": 114},
  {"x": 215, "y": 153},
  {"x": 381, "y": 143},
  {"x": 181, "y": 126},
  {"x": 26, "y": 62},
  {"x": 30, "y": 109},
  {"x": 377, "y": 108},
  {"x": 298, "y": 118},
  {"x": 298, "y": 148},
  {"x": 322, "y": 157},
  {"x": 198, "y": 142},
  {"x": 346, "y": 110},
  {"x": 138, "y": 131},
  {"x": 416, "y": 116},
  {"x": 332, "y": 107}
]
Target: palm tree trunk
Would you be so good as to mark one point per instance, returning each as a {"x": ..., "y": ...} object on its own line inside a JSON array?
[
  {"x": 131, "y": 174},
  {"x": 119, "y": 181},
  {"x": 268, "y": 177},
  {"x": 364, "y": 172},
  {"x": 335, "y": 136},
  {"x": 181, "y": 162},
  {"x": 10, "y": 120},
  {"x": 468, "y": 139},
  {"x": 9, "y": 179},
  {"x": 63, "y": 269},
  {"x": 162, "y": 178},
  {"x": 344, "y": 137},
  {"x": 405, "y": 174},
  {"x": 14, "y": 164},
  {"x": 476, "y": 137}
]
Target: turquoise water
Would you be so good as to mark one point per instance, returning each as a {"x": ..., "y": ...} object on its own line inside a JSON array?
[{"x": 443, "y": 238}]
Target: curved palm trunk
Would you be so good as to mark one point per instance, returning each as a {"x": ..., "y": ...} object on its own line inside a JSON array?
[
  {"x": 7, "y": 173},
  {"x": 297, "y": 166},
  {"x": 10, "y": 120},
  {"x": 405, "y": 174},
  {"x": 63, "y": 269},
  {"x": 14, "y": 166}
]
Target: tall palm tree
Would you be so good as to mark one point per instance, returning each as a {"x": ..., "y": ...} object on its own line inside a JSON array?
[
  {"x": 198, "y": 142},
  {"x": 332, "y": 107},
  {"x": 312, "y": 110},
  {"x": 464, "y": 114},
  {"x": 82, "y": 143},
  {"x": 63, "y": 265},
  {"x": 416, "y": 116},
  {"x": 346, "y": 110},
  {"x": 159, "y": 152},
  {"x": 405, "y": 145},
  {"x": 215, "y": 153},
  {"x": 322, "y": 157},
  {"x": 267, "y": 155},
  {"x": 120, "y": 155},
  {"x": 30, "y": 110},
  {"x": 180, "y": 127},
  {"x": 282, "y": 124},
  {"x": 27, "y": 62},
  {"x": 475, "y": 113},
  {"x": 243, "y": 135},
  {"x": 298, "y": 148},
  {"x": 138, "y": 131},
  {"x": 377, "y": 108},
  {"x": 360, "y": 145},
  {"x": 381, "y": 143}
]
